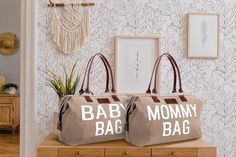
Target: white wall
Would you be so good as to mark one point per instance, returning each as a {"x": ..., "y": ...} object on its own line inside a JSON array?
[
  {"x": 214, "y": 81},
  {"x": 10, "y": 22}
]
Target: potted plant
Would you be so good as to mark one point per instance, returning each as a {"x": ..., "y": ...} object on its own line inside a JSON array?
[
  {"x": 10, "y": 88},
  {"x": 66, "y": 86}
]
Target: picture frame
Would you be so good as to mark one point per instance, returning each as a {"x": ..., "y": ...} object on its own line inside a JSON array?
[
  {"x": 134, "y": 61},
  {"x": 203, "y": 35}
]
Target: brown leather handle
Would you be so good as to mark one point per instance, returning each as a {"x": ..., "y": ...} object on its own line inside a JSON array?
[
  {"x": 87, "y": 90},
  {"x": 86, "y": 72},
  {"x": 111, "y": 73},
  {"x": 155, "y": 76},
  {"x": 109, "y": 69},
  {"x": 88, "y": 64},
  {"x": 173, "y": 62},
  {"x": 174, "y": 66},
  {"x": 155, "y": 69}
]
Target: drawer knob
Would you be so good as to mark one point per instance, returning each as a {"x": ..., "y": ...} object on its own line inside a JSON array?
[
  {"x": 173, "y": 153},
  {"x": 125, "y": 153},
  {"x": 77, "y": 154}
]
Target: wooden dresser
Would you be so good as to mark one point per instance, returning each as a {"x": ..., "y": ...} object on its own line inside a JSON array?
[
  {"x": 9, "y": 111},
  {"x": 50, "y": 147}
]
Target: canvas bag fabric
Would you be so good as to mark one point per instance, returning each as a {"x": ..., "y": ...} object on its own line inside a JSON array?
[
  {"x": 88, "y": 119},
  {"x": 153, "y": 119}
]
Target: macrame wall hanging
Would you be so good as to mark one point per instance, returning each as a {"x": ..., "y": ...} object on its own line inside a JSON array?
[{"x": 71, "y": 28}]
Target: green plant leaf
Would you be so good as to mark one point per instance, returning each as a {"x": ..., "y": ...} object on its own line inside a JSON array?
[{"x": 66, "y": 86}]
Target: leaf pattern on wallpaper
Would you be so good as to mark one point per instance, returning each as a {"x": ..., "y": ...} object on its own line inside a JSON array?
[
  {"x": 214, "y": 81},
  {"x": 153, "y": 21},
  {"x": 198, "y": 75},
  {"x": 133, "y": 18},
  {"x": 227, "y": 22},
  {"x": 167, "y": 7}
]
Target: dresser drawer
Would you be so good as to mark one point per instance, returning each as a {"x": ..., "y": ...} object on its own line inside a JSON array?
[
  {"x": 5, "y": 100},
  {"x": 128, "y": 152},
  {"x": 174, "y": 152},
  {"x": 80, "y": 152}
]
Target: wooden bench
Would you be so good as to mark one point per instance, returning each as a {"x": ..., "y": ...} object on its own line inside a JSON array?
[{"x": 50, "y": 147}]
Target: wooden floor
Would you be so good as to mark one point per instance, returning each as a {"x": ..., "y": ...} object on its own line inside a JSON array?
[{"x": 9, "y": 144}]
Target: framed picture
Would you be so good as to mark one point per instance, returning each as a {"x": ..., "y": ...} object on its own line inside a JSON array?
[
  {"x": 135, "y": 58},
  {"x": 203, "y": 35}
]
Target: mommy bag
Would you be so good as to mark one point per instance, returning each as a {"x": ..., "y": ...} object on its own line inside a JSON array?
[
  {"x": 88, "y": 119},
  {"x": 153, "y": 119}
]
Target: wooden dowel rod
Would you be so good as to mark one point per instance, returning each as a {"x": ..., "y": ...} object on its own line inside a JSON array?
[{"x": 63, "y": 4}]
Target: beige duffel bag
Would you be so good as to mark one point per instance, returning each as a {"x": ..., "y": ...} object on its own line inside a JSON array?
[
  {"x": 153, "y": 119},
  {"x": 88, "y": 119}
]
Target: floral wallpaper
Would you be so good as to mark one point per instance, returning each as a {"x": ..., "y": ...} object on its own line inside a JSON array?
[{"x": 214, "y": 81}]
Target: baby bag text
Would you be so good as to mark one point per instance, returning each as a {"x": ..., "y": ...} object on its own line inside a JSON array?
[{"x": 111, "y": 114}]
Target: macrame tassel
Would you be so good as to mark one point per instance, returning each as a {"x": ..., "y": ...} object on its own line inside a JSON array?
[{"x": 68, "y": 41}]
